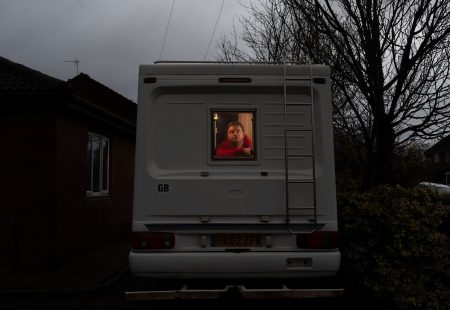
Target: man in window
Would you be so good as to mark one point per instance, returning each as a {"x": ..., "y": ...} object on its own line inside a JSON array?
[{"x": 237, "y": 143}]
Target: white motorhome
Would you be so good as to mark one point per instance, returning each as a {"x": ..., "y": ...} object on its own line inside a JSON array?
[{"x": 265, "y": 213}]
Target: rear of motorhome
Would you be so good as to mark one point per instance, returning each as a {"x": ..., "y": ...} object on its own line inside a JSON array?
[{"x": 208, "y": 205}]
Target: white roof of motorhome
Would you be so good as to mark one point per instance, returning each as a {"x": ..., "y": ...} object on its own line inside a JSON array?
[{"x": 213, "y": 68}]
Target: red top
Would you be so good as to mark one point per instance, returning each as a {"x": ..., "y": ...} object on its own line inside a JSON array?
[{"x": 226, "y": 149}]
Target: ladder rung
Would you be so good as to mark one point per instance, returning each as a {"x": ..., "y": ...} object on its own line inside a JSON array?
[
  {"x": 297, "y": 79},
  {"x": 290, "y": 130},
  {"x": 302, "y": 181},
  {"x": 300, "y": 156}
]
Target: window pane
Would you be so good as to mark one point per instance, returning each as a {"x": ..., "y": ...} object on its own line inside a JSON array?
[
  {"x": 96, "y": 163},
  {"x": 105, "y": 167},
  {"x": 89, "y": 164},
  {"x": 97, "y": 180},
  {"x": 233, "y": 135}
]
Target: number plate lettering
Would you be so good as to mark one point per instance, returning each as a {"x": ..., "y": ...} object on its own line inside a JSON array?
[{"x": 236, "y": 240}]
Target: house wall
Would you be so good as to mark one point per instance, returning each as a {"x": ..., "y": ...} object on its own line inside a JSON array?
[
  {"x": 85, "y": 224},
  {"x": 440, "y": 168},
  {"x": 46, "y": 220},
  {"x": 27, "y": 144}
]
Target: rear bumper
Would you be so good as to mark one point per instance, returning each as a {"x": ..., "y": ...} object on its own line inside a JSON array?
[
  {"x": 233, "y": 291},
  {"x": 234, "y": 265}
]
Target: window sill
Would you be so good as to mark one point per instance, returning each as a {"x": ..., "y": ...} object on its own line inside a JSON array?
[{"x": 98, "y": 195}]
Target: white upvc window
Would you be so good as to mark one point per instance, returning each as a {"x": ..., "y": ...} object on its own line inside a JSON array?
[{"x": 98, "y": 156}]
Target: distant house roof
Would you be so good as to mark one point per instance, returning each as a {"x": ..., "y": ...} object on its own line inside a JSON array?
[
  {"x": 443, "y": 144},
  {"x": 92, "y": 91},
  {"x": 80, "y": 93},
  {"x": 15, "y": 77}
]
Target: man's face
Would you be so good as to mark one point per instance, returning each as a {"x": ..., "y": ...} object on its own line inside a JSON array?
[{"x": 235, "y": 134}]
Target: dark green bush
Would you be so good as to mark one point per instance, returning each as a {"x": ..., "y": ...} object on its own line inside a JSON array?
[{"x": 396, "y": 249}]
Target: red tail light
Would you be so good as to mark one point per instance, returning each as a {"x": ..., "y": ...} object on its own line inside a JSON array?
[
  {"x": 152, "y": 240},
  {"x": 318, "y": 240}
]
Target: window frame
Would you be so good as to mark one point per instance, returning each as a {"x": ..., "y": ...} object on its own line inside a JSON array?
[
  {"x": 102, "y": 190},
  {"x": 255, "y": 160}
]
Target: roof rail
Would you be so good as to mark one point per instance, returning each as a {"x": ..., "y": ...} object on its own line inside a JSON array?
[{"x": 232, "y": 62}]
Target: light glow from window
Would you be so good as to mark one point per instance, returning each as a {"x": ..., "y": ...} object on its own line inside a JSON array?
[{"x": 233, "y": 135}]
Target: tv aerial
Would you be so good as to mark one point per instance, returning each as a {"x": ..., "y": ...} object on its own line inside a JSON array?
[{"x": 75, "y": 62}]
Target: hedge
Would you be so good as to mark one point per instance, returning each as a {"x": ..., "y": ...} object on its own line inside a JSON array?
[{"x": 395, "y": 247}]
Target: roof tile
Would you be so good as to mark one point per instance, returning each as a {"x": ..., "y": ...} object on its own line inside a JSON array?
[{"x": 15, "y": 77}]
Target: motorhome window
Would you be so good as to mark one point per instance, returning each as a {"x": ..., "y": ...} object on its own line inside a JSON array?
[
  {"x": 233, "y": 134},
  {"x": 97, "y": 181}
]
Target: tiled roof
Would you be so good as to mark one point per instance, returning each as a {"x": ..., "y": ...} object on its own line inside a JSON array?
[
  {"x": 15, "y": 77},
  {"x": 19, "y": 79},
  {"x": 92, "y": 91}
]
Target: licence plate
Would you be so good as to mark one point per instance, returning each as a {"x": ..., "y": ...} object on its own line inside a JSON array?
[{"x": 236, "y": 240}]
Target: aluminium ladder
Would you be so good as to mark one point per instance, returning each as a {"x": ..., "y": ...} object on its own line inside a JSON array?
[{"x": 287, "y": 156}]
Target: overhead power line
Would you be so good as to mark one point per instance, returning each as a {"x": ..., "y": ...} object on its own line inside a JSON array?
[
  {"x": 215, "y": 26},
  {"x": 167, "y": 28}
]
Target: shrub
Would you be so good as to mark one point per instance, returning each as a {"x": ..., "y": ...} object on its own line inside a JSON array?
[{"x": 395, "y": 250}]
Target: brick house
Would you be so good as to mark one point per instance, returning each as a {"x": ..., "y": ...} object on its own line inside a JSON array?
[
  {"x": 66, "y": 168},
  {"x": 440, "y": 157}
]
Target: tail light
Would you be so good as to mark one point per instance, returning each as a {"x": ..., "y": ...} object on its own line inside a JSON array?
[
  {"x": 318, "y": 240},
  {"x": 152, "y": 240}
]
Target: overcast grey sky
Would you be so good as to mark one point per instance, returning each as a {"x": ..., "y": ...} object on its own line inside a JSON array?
[{"x": 110, "y": 37}]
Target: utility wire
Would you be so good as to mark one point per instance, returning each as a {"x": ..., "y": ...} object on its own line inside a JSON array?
[
  {"x": 167, "y": 28},
  {"x": 215, "y": 26}
]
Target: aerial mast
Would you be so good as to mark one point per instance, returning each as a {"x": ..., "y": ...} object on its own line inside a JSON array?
[{"x": 75, "y": 61}]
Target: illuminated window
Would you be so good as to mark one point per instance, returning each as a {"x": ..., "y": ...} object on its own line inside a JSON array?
[
  {"x": 97, "y": 182},
  {"x": 233, "y": 135}
]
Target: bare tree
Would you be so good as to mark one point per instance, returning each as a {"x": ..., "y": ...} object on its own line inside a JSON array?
[
  {"x": 269, "y": 33},
  {"x": 389, "y": 61}
]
